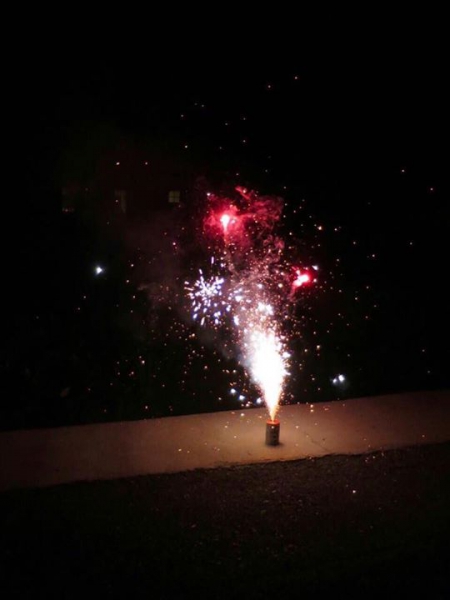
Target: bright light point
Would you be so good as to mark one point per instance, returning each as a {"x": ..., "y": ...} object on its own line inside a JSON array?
[
  {"x": 267, "y": 365},
  {"x": 98, "y": 270},
  {"x": 341, "y": 378},
  {"x": 265, "y": 308},
  {"x": 233, "y": 391},
  {"x": 301, "y": 278},
  {"x": 225, "y": 220},
  {"x": 338, "y": 379}
]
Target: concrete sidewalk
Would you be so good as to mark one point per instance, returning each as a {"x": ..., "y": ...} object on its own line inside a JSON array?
[{"x": 45, "y": 457}]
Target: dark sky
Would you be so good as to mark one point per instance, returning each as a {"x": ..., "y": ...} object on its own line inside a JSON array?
[
  {"x": 337, "y": 119},
  {"x": 374, "y": 95},
  {"x": 356, "y": 123},
  {"x": 350, "y": 115}
]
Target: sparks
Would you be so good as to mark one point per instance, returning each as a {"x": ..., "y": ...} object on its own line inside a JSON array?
[
  {"x": 301, "y": 278},
  {"x": 225, "y": 220},
  {"x": 268, "y": 365},
  {"x": 206, "y": 298},
  {"x": 245, "y": 296}
]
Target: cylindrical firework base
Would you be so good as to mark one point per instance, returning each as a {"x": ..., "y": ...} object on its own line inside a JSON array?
[{"x": 272, "y": 433}]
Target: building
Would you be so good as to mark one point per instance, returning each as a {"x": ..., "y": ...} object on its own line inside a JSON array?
[{"x": 126, "y": 182}]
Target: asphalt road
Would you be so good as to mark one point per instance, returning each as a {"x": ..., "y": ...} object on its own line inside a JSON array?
[{"x": 371, "y": 525}]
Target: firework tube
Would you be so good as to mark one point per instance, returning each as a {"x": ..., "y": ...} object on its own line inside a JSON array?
[{"x": 272, "y": 432}]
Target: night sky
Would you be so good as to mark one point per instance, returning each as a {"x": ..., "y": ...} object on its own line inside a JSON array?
[{"x": 354, "y": 139}]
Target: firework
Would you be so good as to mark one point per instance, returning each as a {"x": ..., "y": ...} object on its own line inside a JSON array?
[
  {"x": 206, "y": 297},
  {"x": 225, "y": 220},
  {"x": 301, "y": 278},
  {"x": 267, "y": 364},
  {"x": 248, "y": 297}
]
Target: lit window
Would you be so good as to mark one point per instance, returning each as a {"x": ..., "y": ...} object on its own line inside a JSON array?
[{"x": 174, "y": 196}]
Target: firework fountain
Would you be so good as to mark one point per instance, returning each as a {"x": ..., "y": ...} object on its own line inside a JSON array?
[{"x": 249, "y": 289}]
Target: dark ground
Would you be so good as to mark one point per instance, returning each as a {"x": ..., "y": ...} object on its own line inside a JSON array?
[{"x": 350, "y": 525}]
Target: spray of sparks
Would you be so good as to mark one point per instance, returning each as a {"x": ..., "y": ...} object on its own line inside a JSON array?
[{"x": 250, "y": 289}]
